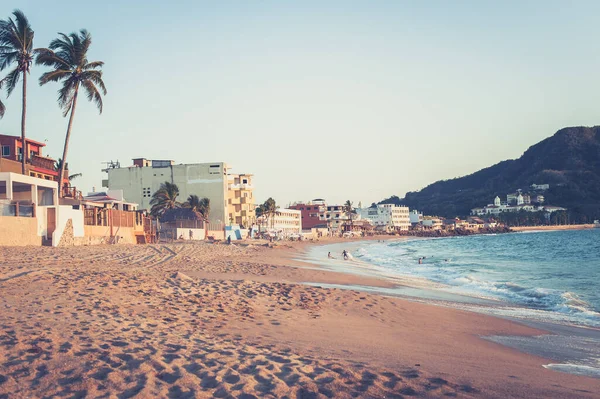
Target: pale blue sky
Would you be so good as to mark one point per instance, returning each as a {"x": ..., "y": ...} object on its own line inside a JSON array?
[{"x": 343, "y": 100}]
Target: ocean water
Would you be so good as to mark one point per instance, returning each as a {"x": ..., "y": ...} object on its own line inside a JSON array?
[
  {"x": 547, "y": 276},
  {"x": 549, "y": 280}
]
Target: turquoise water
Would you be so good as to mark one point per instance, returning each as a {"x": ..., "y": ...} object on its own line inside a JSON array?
[{"x": 553, "y": 275}]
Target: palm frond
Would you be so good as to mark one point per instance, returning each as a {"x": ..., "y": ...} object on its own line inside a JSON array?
[
  {"x": 2, "y": 109},
  {"x": 92, "y": 93},
  {"x": 11, "y": 80},
  {"x": 96, "y": 77},
  {"x": 93, "y": 65},
  {"x": 49, "y": 58},
  {"x": 8, "y": 58}
]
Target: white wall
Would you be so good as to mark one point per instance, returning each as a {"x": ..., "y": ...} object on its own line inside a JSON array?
[
  {"x": 63, "y": 214},
  {"x": 199, "y": 179}
]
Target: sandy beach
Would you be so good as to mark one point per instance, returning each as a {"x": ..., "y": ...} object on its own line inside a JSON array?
[{"x": 195, "y": 320}]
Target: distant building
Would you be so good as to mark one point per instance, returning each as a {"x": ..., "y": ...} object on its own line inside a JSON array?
[
  {"x": 541, "y": 187},
  {"x": 240, "y": 202},
  {"x": 498, "y": 207},
  {"x": 415, "y": 217},
  {"x": 211, "y": 180},
  {"x": 432, "y": 222},
  {"x": 285, "y": 222},
  {"x": 389, "y": 215},
  {"x": 314, "y": 213}
]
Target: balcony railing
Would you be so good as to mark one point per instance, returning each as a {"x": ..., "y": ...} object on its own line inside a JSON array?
[
  {"x": 42, "y": 162},
  {"x": 71, "y": 192}
]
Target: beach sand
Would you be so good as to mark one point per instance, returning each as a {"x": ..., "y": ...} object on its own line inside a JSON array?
[{"x": 196, "y": 320}]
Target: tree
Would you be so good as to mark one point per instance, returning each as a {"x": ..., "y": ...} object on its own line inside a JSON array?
[
  {"x": 164, "y": 198},
  {"x": 67, "y": 56},
  {"x": 57, "y": 166},
  {"x": 16, "y": 47},
  {"x": 268, "y": 209},
  {"x": 201, "y": 206},
  {"x": 350, "y": 212}
]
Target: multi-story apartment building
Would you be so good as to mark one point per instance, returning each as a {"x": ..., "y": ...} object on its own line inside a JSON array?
[
  {"x": 240, "y": 201},
  {"x": 388, "y": 215},
  {"x": 285, "y": 222},
  {"x": 211, "y": 180},
  {"x": 313, "y": 213},
  {"x": 11, "y": 154}
]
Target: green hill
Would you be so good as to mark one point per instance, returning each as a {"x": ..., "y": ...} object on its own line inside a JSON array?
[{"x": 569, "y": 161}]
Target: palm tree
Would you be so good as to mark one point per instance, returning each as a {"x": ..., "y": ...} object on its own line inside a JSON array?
[
  {"x": 270, "y": 209},
  {"x": 57, "y": 166},
  {"x": 350, "y": 212},
  {"x": 164, "y": 198},
  {"x": 16, "y": 47},
  {"x": 67, "y": 56},
  {"x": 200, "y": 206}
]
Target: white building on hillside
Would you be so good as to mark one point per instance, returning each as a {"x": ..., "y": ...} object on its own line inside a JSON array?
[
  {"x": 284, "y": 223},
  {"x": 499, "y": 207},
  {"x": 390, "y": 215}
]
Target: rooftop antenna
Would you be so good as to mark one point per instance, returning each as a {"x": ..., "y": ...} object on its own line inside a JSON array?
[{"x": 111, "y": 165}]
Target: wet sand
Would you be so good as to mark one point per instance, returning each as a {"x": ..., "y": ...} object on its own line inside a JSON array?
[{"x": 205, "y": 320}]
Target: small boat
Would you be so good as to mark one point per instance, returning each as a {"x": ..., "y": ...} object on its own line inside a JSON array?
[{"x": 597, "y": 224}]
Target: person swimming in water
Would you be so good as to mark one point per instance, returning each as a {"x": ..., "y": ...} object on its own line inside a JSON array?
[
  {"x": 329, "y": 255},
  {"x": 420, "y": 261},
  {"x": 345, "y": 254}
]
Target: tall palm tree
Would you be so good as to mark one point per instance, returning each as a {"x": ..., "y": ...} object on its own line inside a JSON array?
[
  {"x": 16, "y": 47},
  {"x": 67, "y": 56},
  {"x": 350, "y": 212},
  {"x": 164, "y": 198}
]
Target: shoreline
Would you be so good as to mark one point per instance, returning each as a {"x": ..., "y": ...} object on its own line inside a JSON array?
[
  {"x": 204, "y": 320},
  {"x": 553, "y": 228}
]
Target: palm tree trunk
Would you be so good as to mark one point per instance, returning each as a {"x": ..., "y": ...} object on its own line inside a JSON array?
[
  {"x": 66, "y": 147},
  {"x": 23, "y": 114}
]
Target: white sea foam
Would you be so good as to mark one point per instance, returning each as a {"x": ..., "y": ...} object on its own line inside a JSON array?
[{"x": 574, "y": 369}]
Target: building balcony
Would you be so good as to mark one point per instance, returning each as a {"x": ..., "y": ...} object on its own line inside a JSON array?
[{"x": 241, "y": 187}]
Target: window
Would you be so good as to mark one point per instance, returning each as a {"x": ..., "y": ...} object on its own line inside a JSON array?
[
  {"x": 146, "y": 192},
  {"x": 245, "y": 181},
  {"x": 5, "y": 151},
  {"x": 20, "y": 157}
]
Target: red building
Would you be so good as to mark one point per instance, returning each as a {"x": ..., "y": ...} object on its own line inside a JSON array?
[
  {"x": 11, "y": 154},
  {"x": 313, "y": 213}
]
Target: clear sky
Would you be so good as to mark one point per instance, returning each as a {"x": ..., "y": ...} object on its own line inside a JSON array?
[{"x": 336, "y": 100}]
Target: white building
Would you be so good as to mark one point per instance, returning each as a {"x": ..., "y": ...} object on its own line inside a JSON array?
[
  {"x": 541, "y": 187},
  {"x": 390, "y": 215},
  {"x": 284, "y": 223},
  {"x": 415, "y": 217},
  {"x": 498, "y": 207},
  {"x": 432, "y": 222},
  {"x": 140, "y": 181}
]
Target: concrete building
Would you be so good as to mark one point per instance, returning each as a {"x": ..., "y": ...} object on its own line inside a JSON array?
[
  {"x": 240, "y": 200},
  {"x": 314, "y": 213},
  {"x": 285, "y": 223},
  {"x": 211, "y": 180},
  {"x": 415, "y": 217},
  {"x": 432, "y": 222},
  {"x": 389, "y": 215},
  {"x": 11, "y": 154}
]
